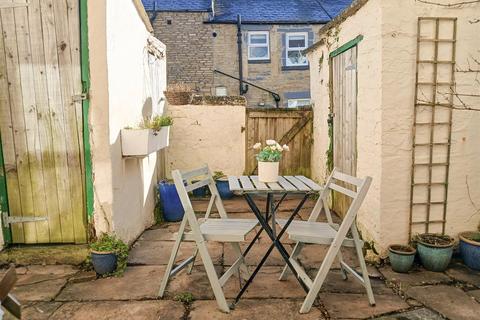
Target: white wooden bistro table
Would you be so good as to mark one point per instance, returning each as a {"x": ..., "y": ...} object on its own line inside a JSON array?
[{"x": 249, "y": 186}]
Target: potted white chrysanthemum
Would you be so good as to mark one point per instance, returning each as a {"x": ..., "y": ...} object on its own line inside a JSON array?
[{"x": 268, "y": 160}]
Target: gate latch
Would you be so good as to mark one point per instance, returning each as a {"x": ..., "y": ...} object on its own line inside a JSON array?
[
  {"x": 12, "y": 219},
  {"x": 79, "y": 97}
]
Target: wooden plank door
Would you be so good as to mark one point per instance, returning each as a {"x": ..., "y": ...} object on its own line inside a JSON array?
[
  {"x": 40, "y": 119},
  {"x": 344, "y": 72},
  {"x": 287, "y": 126}
]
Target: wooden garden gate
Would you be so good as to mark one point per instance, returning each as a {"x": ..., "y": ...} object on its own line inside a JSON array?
[
  {"x": 41, "y": 121},
  {"x": 344, "y": 95},
  {"x": 287, "y": 126}
]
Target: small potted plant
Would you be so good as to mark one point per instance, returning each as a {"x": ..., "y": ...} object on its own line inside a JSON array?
[
  {"x": 178, "y": 94},
  {"x": 435, "y": 250},
  {"x": 109, "y": 255},
  {"x": 222, "y": 185},
  {"x": 401, "y": 257},
  {"x": 151, "y": 135},
  {"x": 268, "y": 160},
  {"x": 470, "y": 248}
]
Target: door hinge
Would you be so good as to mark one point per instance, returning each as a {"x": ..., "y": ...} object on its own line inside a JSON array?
[
  {"x": 12, "y": 219},
  {"x": 79, "y": 97}
]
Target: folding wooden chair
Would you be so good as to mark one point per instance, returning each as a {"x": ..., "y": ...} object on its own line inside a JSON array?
[
  {"x": 7, "y": 300},
  {"x": 313, "y": 232},
  {"x": 207, "y": 229}
]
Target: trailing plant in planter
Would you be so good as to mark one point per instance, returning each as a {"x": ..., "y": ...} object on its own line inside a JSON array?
[
  {"x": 222, "y": 185},
  {"x": 435, "y": 250},
  {"x": 401, "y": 257},
  {"x": 268, "y": 160},
  {"x": 150, "y": 135},
  {"x": 178, "y": 94},
  {"x": 109, "y": 255}
]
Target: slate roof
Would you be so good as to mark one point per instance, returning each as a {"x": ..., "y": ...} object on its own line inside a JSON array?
[
  {"x": 258, "y": 11},
  {"x": 178, "y": 5},
  {"x": 278, "y": 11}
]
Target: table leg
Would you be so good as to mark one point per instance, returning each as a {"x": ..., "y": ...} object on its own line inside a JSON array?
[{"x": 275, "y": 240}]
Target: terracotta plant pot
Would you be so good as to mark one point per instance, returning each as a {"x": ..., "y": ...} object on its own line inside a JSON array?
[
  {"x": 470, "y": 248},
  {"x": 401, "y": 257},
  {"x": 178, "y": 98},
  {"x": 435, "y": 251},
  {"x": 268, "y": 171}
]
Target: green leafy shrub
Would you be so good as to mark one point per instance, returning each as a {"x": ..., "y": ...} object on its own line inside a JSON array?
[{"x": 110, "y": 243}]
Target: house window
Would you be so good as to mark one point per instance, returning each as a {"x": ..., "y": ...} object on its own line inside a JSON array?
[
  {"x": 297, "y": 103},
  {"x": 221, "y": 91},
  {"x": 258, "y": 45},
  {"x": 295, "y": 44}
]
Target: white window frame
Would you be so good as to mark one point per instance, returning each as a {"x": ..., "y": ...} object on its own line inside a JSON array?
[
  {"x": 253, "y": 45},
  {"x": 287, "y": 48},
  {"x": 301, "y": 99}
]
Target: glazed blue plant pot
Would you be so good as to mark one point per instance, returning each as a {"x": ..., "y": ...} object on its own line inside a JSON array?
[
  {"x": 401, "y": 257},
  {"x": 470, "y": 250},
  {"x": 434, "y": 258},
  {"x": 224, "y": 189},
  {"x": 170, "y": 201},
  {"x": 104, "y": 262},
  {"x": 200, "y": 192}
]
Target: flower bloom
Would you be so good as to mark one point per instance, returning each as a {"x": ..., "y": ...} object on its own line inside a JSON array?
[
  {"x": 286, "y": 148},
  {"x": 279, "y": 147},
  {"x": 271, "y": 142},
  {"x": 257, "y": 145}
]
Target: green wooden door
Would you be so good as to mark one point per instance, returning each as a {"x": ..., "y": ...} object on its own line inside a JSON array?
[{"x": 41, "y": 120}]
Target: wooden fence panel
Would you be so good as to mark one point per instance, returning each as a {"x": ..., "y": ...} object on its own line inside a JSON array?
[
  {"x": 40, "y": 119},
  {"x": 287, "y": 126}
]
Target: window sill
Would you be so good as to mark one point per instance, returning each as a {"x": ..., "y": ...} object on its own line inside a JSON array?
[
  {"x": 258, "y": 61},
  {"x": 288, "y": 68}
]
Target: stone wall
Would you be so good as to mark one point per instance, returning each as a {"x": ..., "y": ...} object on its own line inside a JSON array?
[
  {"x": 189, "y": 47},
  {"x": 196, "y": 48}
]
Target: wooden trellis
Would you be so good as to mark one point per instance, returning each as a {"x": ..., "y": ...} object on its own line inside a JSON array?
[{"x": 432, "y": 127}]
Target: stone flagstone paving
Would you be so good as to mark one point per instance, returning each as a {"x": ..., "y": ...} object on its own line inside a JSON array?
[{"x": 66, "y": 292}]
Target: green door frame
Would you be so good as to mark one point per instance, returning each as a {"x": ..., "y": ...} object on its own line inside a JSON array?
[
  {"x": 85, "y": 71},
  {"x": 7, "y": 233}
]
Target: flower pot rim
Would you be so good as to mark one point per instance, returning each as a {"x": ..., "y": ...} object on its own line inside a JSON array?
[
  {"x": 449, "y": 245},
  {"x": 102, "y": 252},
  {"x": 462, "y": 237},
  {"x": 403, "y": 253}
]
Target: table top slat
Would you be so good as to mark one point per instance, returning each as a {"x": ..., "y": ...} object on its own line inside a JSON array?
[
  {"x": 247, "y": 185},
  {"x": 275, "y": 186},
  {"x": 310, "y": 183},
  {"x": 297, "y": 183},
  {"x": 233, "y": 183},
  {"x": 285, "y": 184},
  {"x": 258, "y": 184}
]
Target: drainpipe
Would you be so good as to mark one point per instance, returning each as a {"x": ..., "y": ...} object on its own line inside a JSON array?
[{"x": 240, "y": 60}]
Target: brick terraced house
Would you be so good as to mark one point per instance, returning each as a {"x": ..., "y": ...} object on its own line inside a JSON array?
[{"x": 207, "y": 41}]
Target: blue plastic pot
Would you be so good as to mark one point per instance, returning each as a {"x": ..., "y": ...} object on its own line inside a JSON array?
[
  {"x": 401, "y": 257},
  {"x": 170, "y": 201},
  {"x": 104, "y": 262},
  {"x": 470, "y": 249},
  {"x": 435, "y": 257},
  {"x": 224, "y": 189}
]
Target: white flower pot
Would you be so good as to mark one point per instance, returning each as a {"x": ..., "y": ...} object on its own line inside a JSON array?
[
  {"x": 142, "y": 142},
  {"x": 268, "y": 171}
]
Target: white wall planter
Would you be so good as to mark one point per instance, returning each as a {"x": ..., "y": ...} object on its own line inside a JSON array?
[{"x": 142, "y": 142}]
